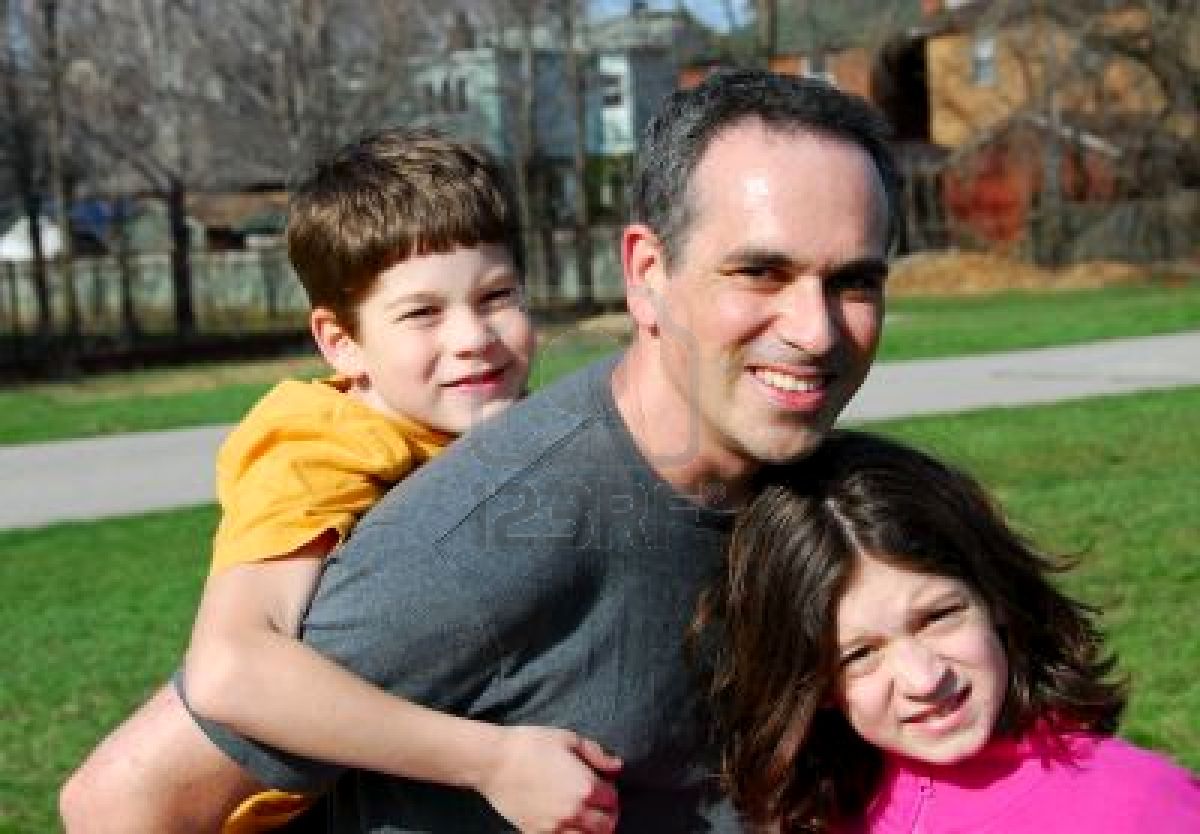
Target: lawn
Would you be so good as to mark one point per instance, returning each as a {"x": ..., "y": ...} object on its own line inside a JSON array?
[
  {"x": 917, "y": 327},
  {"x": 96, "y": 614}
]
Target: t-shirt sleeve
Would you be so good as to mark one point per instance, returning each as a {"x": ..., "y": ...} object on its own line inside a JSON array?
[
  {"x": 283, "y": 480},
  {"x": 399, "y": 613}
]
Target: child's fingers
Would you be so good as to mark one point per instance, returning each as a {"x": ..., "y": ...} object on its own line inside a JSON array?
[
  {"x": 603, "y": 797},
  {"x": 596, "y": 756},
  {"x": 595, "y": 822}
]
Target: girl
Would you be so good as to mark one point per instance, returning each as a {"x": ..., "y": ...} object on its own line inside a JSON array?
[{"x": 894, "y": 659}]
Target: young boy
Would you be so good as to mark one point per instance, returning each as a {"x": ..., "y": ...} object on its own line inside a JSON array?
[{"x": 409, "y": 249}]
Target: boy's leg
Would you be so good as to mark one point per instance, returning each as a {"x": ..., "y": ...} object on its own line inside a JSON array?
[{"x": 156, "y": 772}]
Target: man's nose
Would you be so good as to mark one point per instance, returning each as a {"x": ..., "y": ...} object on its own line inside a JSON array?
[{"x": 806, "y": 318}]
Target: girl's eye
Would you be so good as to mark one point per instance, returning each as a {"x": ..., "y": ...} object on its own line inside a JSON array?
[
  {"x": 858, "y": 661},
  {"x": 946, "y": 615}
]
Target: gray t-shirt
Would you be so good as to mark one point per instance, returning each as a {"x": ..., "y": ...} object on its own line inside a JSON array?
[{"x": 538, "y": 572}]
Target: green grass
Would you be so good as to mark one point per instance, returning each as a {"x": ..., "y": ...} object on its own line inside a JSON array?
[
  {"x": 919, "y": 328},
  {"x": 96, "y": 614}
]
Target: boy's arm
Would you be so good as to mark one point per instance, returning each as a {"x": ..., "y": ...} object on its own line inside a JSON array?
[
  {"x": 157, "y": 773},
  {"x": 246, "y": 670}
]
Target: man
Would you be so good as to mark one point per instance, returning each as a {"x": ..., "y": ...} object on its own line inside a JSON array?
[{"x": 544, "y": 570}]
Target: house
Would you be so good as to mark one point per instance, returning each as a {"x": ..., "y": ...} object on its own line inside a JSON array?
[
  {"x": 1005, "y": 112},
  {"x": 1044, "y": 109},
  {"x": 473, "y": 87}
]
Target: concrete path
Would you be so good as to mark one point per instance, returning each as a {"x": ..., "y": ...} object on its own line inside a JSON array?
[{"x": 82, "y": 479}]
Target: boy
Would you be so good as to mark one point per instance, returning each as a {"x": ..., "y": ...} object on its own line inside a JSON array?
[{"x": 408, "y": 247}]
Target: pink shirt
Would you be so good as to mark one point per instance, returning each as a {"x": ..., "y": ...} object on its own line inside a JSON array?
[{"x": 1104, "y": 786}]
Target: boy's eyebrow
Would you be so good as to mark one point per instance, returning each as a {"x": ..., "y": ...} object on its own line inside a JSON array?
[{"x": 421, "y": 296}]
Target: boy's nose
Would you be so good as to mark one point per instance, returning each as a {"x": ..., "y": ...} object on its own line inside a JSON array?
[{"x": 468, "y": 333}]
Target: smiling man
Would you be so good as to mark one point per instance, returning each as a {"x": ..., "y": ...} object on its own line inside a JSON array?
[{"x": 544, "y": 570}]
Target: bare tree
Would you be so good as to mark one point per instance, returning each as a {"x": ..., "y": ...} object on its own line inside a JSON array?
[
  {"x": 56, "y": 139},
  {"x": 577, "y": 60},
  {"x": 21, "y": 135},
  {"x": 141, "y": 112},
  {"x": 299, "y": 78}
]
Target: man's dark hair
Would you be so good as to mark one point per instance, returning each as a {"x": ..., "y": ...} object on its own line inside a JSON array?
[
  {"x": 391, "y": 195},
  {"x": 687, "y": 122},
  {"x": 789, "y": 758}
]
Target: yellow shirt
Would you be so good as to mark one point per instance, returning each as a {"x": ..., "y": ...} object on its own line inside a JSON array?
[{"x": 306, "y": 459}]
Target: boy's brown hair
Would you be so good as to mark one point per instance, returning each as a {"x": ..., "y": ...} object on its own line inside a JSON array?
[{"x": 392, "y": 195}]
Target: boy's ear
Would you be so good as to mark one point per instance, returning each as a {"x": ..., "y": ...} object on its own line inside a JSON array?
[
  {"x": 336, "y": 344},
  {"x": 643, "y": 261}
]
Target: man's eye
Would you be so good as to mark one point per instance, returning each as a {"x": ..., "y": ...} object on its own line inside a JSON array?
[{"x": 860, "y": 280}]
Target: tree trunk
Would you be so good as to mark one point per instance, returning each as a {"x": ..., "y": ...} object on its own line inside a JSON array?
[
  {"x": 577, "y": 83},
  {"x": 22, "y": 161},
  {"x": 181, "y": 266},
  {"x": 62, "y": 214},
  {"x": 130, "y": 327}
]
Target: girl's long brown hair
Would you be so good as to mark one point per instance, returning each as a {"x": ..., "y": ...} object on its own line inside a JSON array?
[{"x": 790, "y": 758}]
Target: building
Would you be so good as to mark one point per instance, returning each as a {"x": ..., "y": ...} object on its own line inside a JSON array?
[{"x": 481, "y": 81}]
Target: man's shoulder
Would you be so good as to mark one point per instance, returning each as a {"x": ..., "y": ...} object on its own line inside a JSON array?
[{"x": 528, "y": 437}]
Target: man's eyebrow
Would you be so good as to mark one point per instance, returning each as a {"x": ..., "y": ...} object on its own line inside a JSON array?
[
  {"x": 775, "y": 259},
  {"x": 877, "y": 266},
  {"x": 759, "y": 256}
]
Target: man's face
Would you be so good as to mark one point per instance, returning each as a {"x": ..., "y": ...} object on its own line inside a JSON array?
[
  {"x": 444, "y": 338},
  {"x": 770, "y": 316}
]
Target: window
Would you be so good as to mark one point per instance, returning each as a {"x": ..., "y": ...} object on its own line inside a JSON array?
[
  {"x": 461, "y": 98},
  {"x": 983, "y": 61},
  {"x": 611, "y": 89},
  {"x": 817, "y": 66}
]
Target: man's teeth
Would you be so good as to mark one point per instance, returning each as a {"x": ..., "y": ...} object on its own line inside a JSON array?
[{"x": 787, "y": 382}]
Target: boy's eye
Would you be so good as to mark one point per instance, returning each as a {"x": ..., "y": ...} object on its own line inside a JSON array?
[
  {"x": 417, "y": 314},
  {"x": 499, "y": 297}
]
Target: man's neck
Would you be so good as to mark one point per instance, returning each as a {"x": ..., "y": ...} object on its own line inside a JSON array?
[{"x": 654, "y": 412}]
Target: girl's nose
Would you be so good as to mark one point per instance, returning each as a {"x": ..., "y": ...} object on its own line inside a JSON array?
[{"x": 919, "y": 670}]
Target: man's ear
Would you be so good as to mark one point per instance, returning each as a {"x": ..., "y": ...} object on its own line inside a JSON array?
[
  {"x": 336, "y": 343},
  {"x": 643, "y": 260}
]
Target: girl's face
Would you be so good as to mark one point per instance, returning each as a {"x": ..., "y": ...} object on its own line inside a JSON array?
[{"x": 922, "y": 671}]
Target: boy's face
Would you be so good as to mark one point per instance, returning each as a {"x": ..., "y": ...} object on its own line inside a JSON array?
[{"x": 442, "y": 339}]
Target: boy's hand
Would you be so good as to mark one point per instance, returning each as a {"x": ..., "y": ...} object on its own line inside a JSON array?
[{"x": 549, "y": 781}]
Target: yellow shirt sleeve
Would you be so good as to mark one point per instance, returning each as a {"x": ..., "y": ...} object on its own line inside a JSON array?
[{"x": 306, "y": 459}]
